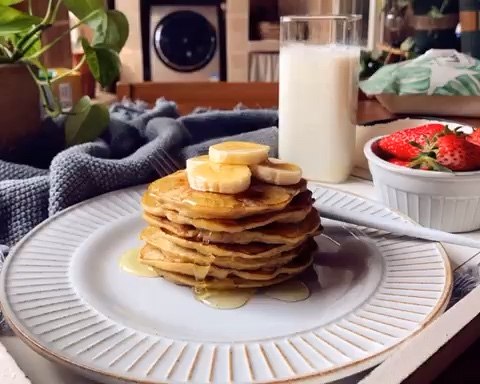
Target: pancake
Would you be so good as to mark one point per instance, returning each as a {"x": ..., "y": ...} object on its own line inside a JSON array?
[
  {"x": 292, "y": 268},
  {"x": 275, "y": 233},
  {"x": 224, "y": 241},
  {"x": 295, "y": 212},
  {"x": 174, "y": 193},
  {"x": 221, "y": 284},
  {"x": 154, "y": 236},
  {"x": 167, "y": 251},
  {"x": 209, "y": 274}
]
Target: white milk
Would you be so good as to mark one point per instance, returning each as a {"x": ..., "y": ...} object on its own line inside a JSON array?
[{"x": 317, "y": 109}]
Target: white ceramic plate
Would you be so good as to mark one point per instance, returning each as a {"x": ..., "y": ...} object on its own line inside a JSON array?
[{"x": 64, "y": 294}]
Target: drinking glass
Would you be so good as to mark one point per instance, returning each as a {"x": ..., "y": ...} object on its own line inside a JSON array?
[{"x": 319, "y": 65}]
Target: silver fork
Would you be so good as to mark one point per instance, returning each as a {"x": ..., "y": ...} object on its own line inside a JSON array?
[
  {"x": 396, "y": 227},
  {"x": 163, "y": 163}
]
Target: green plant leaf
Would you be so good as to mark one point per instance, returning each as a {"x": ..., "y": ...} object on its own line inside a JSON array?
[
  {"x": 112, "y": 31},
  {"x": 13, "y": 21},
  {"x": 10, "y": 2},
  {"x": 7, "y": 41},
  {"x": 103, "y": 62},
  {"x": 408, "y": 44},
  {"x": 85, "y": 122},
  {"x": 31, "y": 51},
  {"x": 435, "y": 13},
  {"x": 83, "y": 8},
  {"x": 34, "y": 48}
]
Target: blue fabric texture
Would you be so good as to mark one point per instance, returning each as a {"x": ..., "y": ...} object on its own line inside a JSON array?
[{"x": 123, "y": 157}]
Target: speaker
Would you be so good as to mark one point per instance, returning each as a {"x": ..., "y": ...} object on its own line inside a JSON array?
[{"x": 184, "y": 43}]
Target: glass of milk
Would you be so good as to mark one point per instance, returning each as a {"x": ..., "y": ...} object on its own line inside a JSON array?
[{"x": 319, "y": 64}]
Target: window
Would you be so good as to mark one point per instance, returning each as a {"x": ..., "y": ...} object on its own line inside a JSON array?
[{"x": 371, "y": 14}]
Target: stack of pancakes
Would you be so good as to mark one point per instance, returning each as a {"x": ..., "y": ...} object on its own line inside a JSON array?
[{"x": 256, "y": 238}]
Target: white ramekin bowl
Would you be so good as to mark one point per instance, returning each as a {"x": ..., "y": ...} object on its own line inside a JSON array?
[{"x": 446, "y": 201}]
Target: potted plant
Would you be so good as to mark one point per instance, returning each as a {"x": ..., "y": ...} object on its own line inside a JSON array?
[
  {"x": 24, "y": 80},
  {"x": 435, "y": 23}
]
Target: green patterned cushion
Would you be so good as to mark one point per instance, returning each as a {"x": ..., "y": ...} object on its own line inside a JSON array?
[{"x": 437, "y": 72}]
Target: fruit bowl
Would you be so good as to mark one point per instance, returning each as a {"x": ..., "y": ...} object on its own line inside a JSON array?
[{"x": 440, "y": 200}]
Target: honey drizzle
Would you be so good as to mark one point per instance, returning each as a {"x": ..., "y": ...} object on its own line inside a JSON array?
[
  {"x": 225, "y": 299},
  {"x": 217, "y": 298},
  {"x": 129, "y": 262},
  {"x": 290, "y": 291}
]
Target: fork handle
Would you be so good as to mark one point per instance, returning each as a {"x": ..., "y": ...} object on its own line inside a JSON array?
[{"x": 414, "y": 231}]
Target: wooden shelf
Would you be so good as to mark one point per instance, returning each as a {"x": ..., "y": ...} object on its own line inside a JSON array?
[
  {"x": 238, "y": 25},
  {"x": 263, "y": 46}
]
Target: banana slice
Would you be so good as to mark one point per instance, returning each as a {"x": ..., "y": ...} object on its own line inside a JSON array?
[
  {"x": 277, "y": 172},
  {"x": 238, "y": 153},
  {"x": 195, "y": 161},
  {"x": 219, "y": 178}
]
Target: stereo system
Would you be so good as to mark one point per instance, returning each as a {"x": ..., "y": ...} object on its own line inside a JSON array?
[{"x": 174, "y": 41}]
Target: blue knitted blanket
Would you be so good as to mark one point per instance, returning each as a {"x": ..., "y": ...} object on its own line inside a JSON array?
[
  {"x": 46, "y": 178},
  {"x": 120, "y": 159}
]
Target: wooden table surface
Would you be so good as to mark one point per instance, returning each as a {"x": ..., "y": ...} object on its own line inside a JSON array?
[{"x": 220, "y": 95}]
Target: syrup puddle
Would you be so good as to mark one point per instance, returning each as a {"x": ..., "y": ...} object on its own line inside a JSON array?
[
  {"x": 289, "y": 291},
  {"x": 224, "y": 299},
  {"x": 129, "y": 262}
]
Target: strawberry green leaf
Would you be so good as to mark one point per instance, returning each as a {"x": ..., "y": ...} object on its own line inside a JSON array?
[
  {"x": 415, "y": 144},
  {"x": 441, "y": 168}
]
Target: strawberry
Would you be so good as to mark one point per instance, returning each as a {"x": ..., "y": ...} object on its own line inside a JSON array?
[
  {"x": 474, "y": 137},
  {"x": 448, "y": 153},
  {"x": 398, "y": 144},
  {"x": 402, "y": 163}
]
